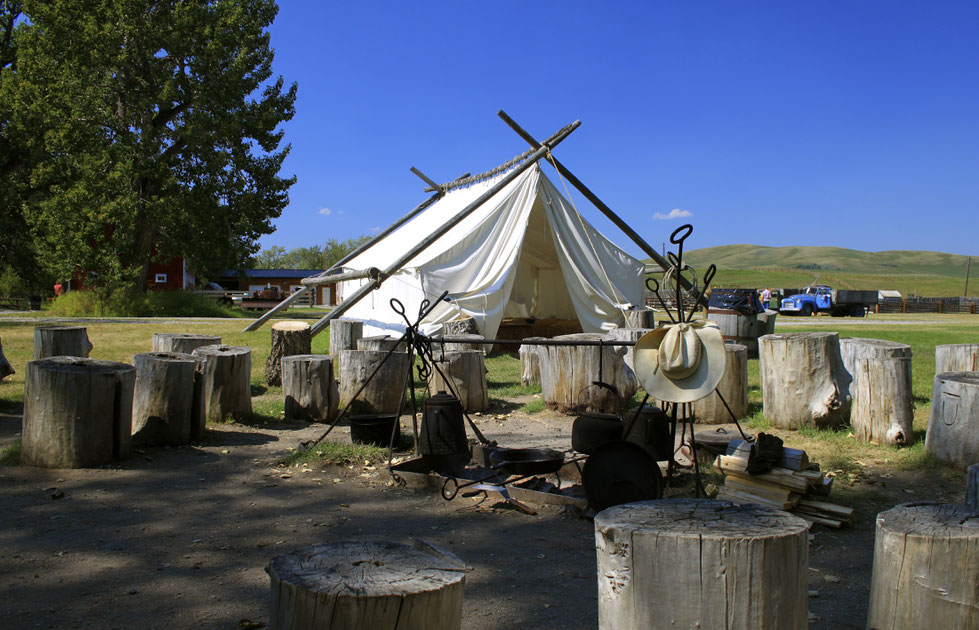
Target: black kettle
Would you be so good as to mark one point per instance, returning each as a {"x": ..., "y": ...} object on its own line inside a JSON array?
[{"x": 443, "y": 430}]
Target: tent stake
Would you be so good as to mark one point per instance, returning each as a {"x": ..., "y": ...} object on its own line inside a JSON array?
[
  {"x": 349, "y": 302},
  {"x": 598, "y": 203}
]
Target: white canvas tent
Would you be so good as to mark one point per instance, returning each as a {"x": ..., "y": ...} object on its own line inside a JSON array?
[{"x": 526, "y": 252}]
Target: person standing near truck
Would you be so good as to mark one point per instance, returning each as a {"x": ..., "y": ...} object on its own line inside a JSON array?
[{"x": 766, "y": 297}]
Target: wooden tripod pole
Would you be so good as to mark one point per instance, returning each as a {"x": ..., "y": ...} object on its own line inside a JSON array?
[{"x": 349, "y": 302}]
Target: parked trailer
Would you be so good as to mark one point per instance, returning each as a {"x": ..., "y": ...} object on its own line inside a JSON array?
[{"x": 820, "y": 298}]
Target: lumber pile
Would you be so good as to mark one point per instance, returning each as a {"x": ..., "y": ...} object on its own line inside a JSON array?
[{"x": 795, "y": 484}]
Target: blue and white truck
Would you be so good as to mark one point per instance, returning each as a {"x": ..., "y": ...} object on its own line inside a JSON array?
[{"x": 820, "y": 298}]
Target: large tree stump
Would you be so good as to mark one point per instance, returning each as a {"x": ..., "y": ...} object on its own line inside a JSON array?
[
  {"x": 168, "y": 408},
  {"x": 926, "y": 568},
  {"x": 309, "y": 388},
  {"x": 854, "y": 348},
  {"x": 957, "y": 357},
  {"x": 466, "y": 326},
  {"x": 628, "y": 334},
  {"x": 383, "y": 391},
  {"x": 61, "y": 341},
  {"x": 803, "y": 380},
  {"x": 567, "y": 374},
  {"x": 344, "y": 334},
  {"x": 382, "y": 343},
  {"x": 226, "y": 381},
  {"x": 700, "y": 563},
  {"x": 640, "y": 318},
  {"x": 467, "y": 372},
  {"x": 953, "y": 427},
  {"x": 883, "y": 402},
  {"x": 530, "y": 362},
  {"x": 473, "y": 343},
  {"x": 367, "y": 586},
  {"x": 182, "y": 343},
  {"x": 972, "y": 487},
  {"x": 733, "y": 387},
  {"x": 5, "y": 368},
  {"x": 77, "y": 412},
  {"x": 288, "y": 338}
]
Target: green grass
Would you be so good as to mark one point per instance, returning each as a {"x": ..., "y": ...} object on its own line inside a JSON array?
[
  {"x": 537, "y": 405},
  {"x": 10, "y": 454},
  {"x": 336, "y": 453}
]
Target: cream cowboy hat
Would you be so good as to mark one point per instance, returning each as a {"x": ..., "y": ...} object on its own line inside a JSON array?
[{"x": 681, "y": 363}]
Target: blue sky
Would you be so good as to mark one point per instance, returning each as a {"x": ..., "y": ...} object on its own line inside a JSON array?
[{"x": 850, "y": 124}]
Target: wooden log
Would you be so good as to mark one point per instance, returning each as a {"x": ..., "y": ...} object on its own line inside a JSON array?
[
  {"x": 957, "y": 357},
  {"x": 792, "y": 458},
  {"x": 701, "y": 563},
  {"x": 382, "y": 343},
  {"x": 628, "y": 334},
  {"x": 853, "y": 348},
  {"x": 168, "y": 407},
  {"x": 883, "y": 402},
  {"x": 5, "y": 368},
  {"x": 466, "y": 326},
  {"x": 567, "y": 374},
  {"x": 344, "y": 334},
  {"x": 733, "y": 387},
  {"x": 182, "y": 343},
  {"x": 288, "y": 338},
  {"x": 953, "y": 427},
  {"x": 383, "y": 391},
  {"x": 803, "y": 380},
  {"x": 309, "y": 388},
  {"x": 77, "y": 412},
  {"x": 61, "y": 341},
  {"x": 640, "y": 318},
  {"x": 367, "y": 586},
  {"x": 972, "y": 487},
  {"x": 466, "y": 370},
  {"x": 530, "y": 363},
  {"x": 226, "y": 381},
  {"x": 455, "y": 346},
  {"x": 926, "y": 567}
]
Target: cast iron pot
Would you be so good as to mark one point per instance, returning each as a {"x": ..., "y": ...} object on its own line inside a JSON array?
[
  {"x": 443, "y": 430},
  {"x": 527, "y": 461},
  {"x": 591, "y": 430},
  {"x": 620, "y": 472},
  {"x": 374, "y": 428}
]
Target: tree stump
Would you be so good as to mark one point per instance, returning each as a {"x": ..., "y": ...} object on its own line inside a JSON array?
[
  {"x": 741, "y": 328},
  {"x": 288, "y": 338},
  {"x": 383, "y": 391},
  {"x": 344, "y": 334},
  {"x": 883, "y": 402},
  {"x": 957, "y": 357},
  {"x": 628, "y": 334},
  {"x": 61, "y": 341},
  {"x": 803, "y": 380},
  {"x": 467, "y": 372},
  {"x": 367, "y": 586},
  {"x": 226, "y": 381},
  {"x": 953, "y": 427},
  {"x": 854, "y": 348},
  {"x": 972, "y": 487},
  {"x": 530, "y": 362},
  {"x": 700, "y": 563},
  {"x": 168, "y": 408},
  {"x": 5, "y": 368},
  {"x": 567, "y": 374},
  {"x": 733, "y": 387},
  {"x": 77, "y": 412},
  {"x": 926, "y": 568},
  {"x": 466, "y": 326},
  {"x": 640, "y": 318},
  {"x": 309, "y": 388},
  {"x": 382, "y": 343},
  {"x": 182, "y": 343},
  {"x": 455, "y": 346}
]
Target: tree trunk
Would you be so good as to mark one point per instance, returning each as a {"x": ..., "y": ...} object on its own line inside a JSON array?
[
  {"x": 733, "y": 387},
  {"x": 803, "y": 380},
  {"x": 344, "y": 334},
  {"x": 466, "y": 326},
  {"x": 700, "y": 563},
  {"x": 182, "y": 343},
  {"x": 953, "y": 427},
  {"x": 367, "y": 586},
  {"x": 5, "y": 368},
  {"x": 382, "y": 343},
  {"x": 309, "y": 387},
  {"x": 628, "y": 334},
  {"x": 77, "y": 412},
  {"x": 61, "y": 341},
  {"x": 467, "y": 372},
  {"x": 462, "y": 345},
  {"x": 883, "y": 402},
  {"x": 168, "y": 408},
  {"x": 926, "y": 568},
  {"x": 226, "y": 381},
  {"x": 958, "y": 357},
  {"x": 640, "y": 318},
  {"x": 383, "y": 391},
  {"x": 567, "y": 374},
  {"x": 288, "y": 338},
  {"x": 854, "y": 348},
  {"x": 530, "y": 362}
]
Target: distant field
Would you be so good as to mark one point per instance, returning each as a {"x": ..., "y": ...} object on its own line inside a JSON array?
[{"x": 932, "y": 274}]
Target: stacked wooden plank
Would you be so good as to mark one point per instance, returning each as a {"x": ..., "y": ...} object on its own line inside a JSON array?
[{"x": 795, "y": 484}]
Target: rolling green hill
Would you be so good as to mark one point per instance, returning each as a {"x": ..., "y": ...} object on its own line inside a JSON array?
[{"x": 910, "y": 272}]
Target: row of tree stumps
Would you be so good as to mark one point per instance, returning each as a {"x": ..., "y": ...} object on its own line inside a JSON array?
[{"x": 82, "y": 412}]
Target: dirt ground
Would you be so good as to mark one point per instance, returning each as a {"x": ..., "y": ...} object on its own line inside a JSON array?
[{"x": 179, "y": 537}]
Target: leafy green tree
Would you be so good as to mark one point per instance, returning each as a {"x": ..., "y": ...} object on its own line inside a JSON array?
[
  {"x": 335, "y": 250},
  {"x": 313, "y": 257},
  {"x": 152, "y": 129}
]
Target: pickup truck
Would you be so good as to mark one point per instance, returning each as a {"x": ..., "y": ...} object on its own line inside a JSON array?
[{"x": 820, "y": 298}]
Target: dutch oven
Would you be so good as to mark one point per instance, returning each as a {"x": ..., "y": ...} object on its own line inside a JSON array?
[
  {"x": 591, "y": 430},
  {"x": 620, "y": 472},
  {"x": 375, "y": 428}
]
